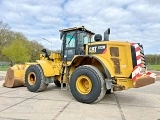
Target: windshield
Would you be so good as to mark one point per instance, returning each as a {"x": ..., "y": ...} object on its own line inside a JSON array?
[{"x": 83, "y": 38}]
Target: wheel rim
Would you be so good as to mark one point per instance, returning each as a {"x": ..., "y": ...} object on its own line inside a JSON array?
[
  {"x": 83, "y": 84},
  {"x": 32, "y": 78}
]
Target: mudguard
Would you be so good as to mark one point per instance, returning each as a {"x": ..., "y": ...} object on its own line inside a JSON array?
[
  {"x": 106, "y": 65},
  {"x": 46, "y": 67}
]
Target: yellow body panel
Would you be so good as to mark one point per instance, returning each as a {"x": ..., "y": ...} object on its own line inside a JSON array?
[
  {"x": 124, "y": 57},
  {"x": 49, "y": 68},
  {"x": 105, "y": 63},
  {"x": 126, "y": 82}
]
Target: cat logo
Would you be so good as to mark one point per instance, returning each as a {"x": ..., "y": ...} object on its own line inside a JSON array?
[{"x": 93, "y": 49}]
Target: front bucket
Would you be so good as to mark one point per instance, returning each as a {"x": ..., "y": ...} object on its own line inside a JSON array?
[
  {"x": 143, "y": 81},
  {"x": 15, "y": 76}
]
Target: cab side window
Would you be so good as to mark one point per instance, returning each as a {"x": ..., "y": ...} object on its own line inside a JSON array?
[
  {"x": 69, "y": 45},
  {"x": 70, "y": 40}
]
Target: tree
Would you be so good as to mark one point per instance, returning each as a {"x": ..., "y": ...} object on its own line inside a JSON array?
[
  {"x": 11, "y": 42},
  {"x": 152, "y": 59},
  {"x": 35, "y": 50},
  {"x": 17, "y": 51},
  {"x": 4, "y": 31}
]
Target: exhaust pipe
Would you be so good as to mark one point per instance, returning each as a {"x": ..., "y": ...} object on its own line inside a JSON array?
[{"x": 106, "y": 34}]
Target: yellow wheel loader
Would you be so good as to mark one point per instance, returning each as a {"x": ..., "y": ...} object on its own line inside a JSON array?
[{"x": 87, "y": 65}]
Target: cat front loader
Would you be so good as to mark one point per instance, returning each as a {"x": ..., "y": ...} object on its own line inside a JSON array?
[{"x": 87, "y": 65}]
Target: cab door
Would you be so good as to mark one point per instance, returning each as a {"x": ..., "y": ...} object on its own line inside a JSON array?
[{"x": 69, "y": 46}]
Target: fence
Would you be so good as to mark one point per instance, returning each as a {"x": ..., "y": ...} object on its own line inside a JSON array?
[{"x": 4, "y": 65}]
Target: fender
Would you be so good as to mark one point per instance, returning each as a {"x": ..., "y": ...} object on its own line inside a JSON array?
[
  {"x": 106, "y": 65},
  {"x": 46, "y": 67}
]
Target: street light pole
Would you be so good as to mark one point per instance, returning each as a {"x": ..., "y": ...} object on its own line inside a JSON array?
[{"x": 49, "y": 42}]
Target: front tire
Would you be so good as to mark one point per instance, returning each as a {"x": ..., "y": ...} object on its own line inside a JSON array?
[
  {"x": 87, "y": 84},
  {"x": 34, "y": 79}
]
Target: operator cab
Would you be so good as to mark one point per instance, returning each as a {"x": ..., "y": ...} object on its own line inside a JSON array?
[{"x": 74, "y": 41}]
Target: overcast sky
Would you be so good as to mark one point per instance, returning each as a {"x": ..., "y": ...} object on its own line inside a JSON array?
[{"x": 129, "y": 20}]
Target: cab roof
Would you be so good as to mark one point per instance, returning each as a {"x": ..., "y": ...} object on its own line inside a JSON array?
[{"x": 82, "y": 28}]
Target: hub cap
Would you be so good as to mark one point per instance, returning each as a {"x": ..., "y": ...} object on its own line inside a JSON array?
[
  {"x": 84, "y": 84},
  {"x": 31, "y": 78}
]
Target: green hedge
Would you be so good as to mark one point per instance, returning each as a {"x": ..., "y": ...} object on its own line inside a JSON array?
[
  {"x": 3, "y": 68},
  {"x": 153, "y": 67}
]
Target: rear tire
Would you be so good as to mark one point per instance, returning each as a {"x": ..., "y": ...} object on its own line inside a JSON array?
[
  {"x": 34, "y": 79},
  {"x": 87, "y": 84}
]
